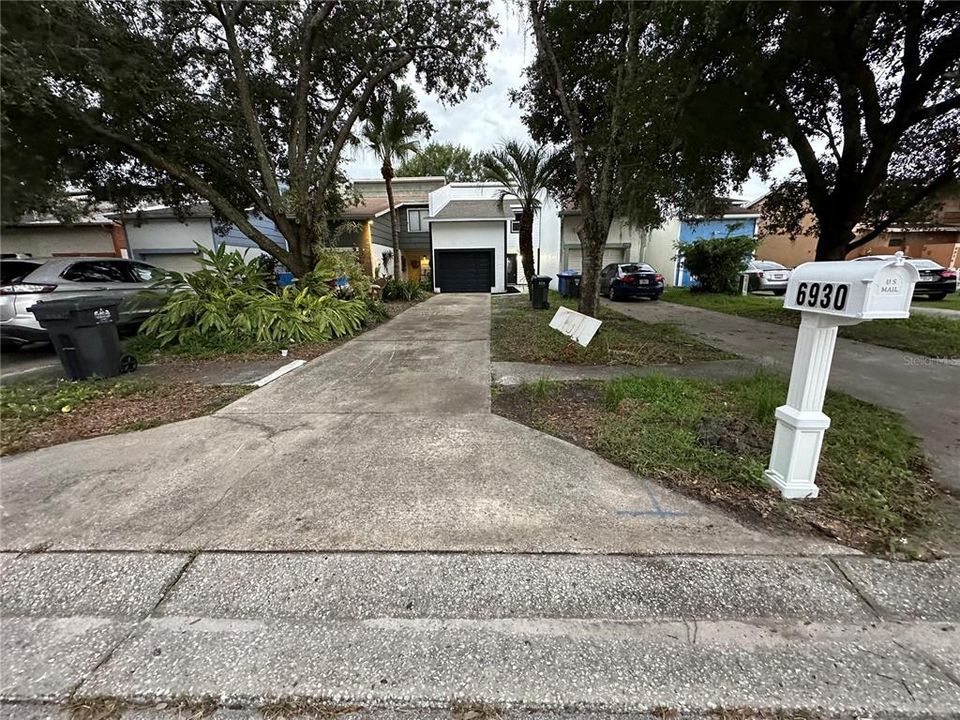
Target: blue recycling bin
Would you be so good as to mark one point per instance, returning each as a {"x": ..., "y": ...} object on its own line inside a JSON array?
[
  {"x": 568, "y": 283},
  {"x": 284, "y": 279}
]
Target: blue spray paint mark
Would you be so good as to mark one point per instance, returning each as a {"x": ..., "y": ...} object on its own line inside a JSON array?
[{"x": 657, "y": 511}]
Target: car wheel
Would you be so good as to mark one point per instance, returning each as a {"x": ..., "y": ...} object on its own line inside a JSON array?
[
  {"x": 937, "y": 296},
  {"x": 612, "y": 293},
  {"x": 779, "y": 293}
]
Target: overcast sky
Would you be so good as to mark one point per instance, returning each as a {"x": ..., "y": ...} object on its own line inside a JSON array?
[{"x": 483, "y": 119}]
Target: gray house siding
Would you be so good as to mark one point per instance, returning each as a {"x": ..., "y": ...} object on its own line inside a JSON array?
[{"x": 233, "y": 235}]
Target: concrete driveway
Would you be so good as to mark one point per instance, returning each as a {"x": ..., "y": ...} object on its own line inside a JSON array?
[{"x": 386, "y": 443}]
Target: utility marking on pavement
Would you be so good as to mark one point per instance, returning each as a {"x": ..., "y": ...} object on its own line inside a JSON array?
[
  {"x": 657, "y": 511},
  {"x": 654, "y": 513},
  {"x": 279, "y": 371}
]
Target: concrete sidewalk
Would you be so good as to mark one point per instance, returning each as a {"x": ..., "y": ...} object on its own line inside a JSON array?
[
  {"x": 564, "y": 636},
  {"x": 922, "y": 389}
]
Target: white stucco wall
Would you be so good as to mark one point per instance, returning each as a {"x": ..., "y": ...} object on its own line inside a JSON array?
[
  {"x": 376, "y": 252},
  {"x": 169, "y": 234},
  {"x": 635, "y": 244},
  {"x": 661, "y": 249},
  {"x": 473, "y": 235}
]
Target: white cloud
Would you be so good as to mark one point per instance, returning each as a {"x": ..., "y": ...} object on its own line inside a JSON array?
[{"x": 484, "y": 118}]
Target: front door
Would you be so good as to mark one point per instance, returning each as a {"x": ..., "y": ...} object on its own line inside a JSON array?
[{"x": 512, "y": 269}]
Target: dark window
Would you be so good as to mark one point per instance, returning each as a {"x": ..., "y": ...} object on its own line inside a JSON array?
[
  {"x": 896, "y": 242},
  {"x": 144, "y": 273},
  {"x": 11, "y": 270},
  {"x": 96, "y": 271},
  {"x": 417, "y": 219},
  {"x": 515, "y": 223}
]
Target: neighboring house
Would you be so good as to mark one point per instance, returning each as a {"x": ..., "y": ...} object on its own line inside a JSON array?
[
  {"x": 375, "y": 238},
  {"x": 45, "y": 236},
  {"x": 475, "y": 240},
  {"x": 939, "y": 241},
  {"x": 660, "y": 247},
  {"x": 159, "y": 236}
]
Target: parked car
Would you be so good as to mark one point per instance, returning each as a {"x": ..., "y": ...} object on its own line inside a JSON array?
[
  {"x": 626, "y": 280},
  {"x": 767, "y": 276},
  {"x": 936, "y": 281},
  {"x": 25, "y": 282}
]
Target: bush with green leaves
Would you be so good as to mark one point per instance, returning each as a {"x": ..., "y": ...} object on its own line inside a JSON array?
[
  {"x": 228, "y": 306},
  {"x": 717, "y": 263},
  {"x": 403, "y": 290}
]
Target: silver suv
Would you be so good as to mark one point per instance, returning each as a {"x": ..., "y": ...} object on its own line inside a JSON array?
[{"x": 24, "y": 282}]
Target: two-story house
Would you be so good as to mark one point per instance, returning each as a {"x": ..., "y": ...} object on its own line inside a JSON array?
[{"x": 475, "y": 238}]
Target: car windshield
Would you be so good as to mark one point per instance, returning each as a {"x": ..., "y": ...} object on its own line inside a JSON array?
[
  {"x": 635, "y": 268},
  {"x": 11, "y": 270},
  {"x": 925, "y": 265},
  {"x": 768, "y": 265}
]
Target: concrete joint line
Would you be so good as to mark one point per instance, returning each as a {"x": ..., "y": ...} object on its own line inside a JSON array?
[
  {"x": 133, "y": 628},
  {"x": 858, "y": 591}
]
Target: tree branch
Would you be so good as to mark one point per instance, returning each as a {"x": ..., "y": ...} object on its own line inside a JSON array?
[
  {"x": 931, "y": 188},
  {"x": 264, "y": 161},
  {"x": 198, "y": 185}
]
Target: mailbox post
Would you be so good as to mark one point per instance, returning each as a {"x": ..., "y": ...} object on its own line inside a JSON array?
[{"x": 827, "y": 295}]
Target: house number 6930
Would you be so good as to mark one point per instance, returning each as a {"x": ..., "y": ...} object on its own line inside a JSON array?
[{"x": 823, "y": 295}]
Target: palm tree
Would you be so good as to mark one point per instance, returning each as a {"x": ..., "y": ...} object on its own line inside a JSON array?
[
  {"x": 524, "y": 170},
  {"x": 391, "y": 132}
]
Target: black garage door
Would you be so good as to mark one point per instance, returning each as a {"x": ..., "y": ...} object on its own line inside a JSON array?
[{"x": 464, "y": 270}]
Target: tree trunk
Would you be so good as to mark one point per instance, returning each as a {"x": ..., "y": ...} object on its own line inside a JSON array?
[
  {"x": 833, "y": 240},
  {"x": 526, "y": 245},
  {"x": 387, "y": 172},
  {"x": 592, "y": 254}
]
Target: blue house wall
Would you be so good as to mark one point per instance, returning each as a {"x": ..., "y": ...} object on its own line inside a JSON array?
[
  {"x": 235, "y": 237},
  {"x": 705, "y": 229}
]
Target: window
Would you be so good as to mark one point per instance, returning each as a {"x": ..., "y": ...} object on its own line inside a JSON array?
[
  {"x": 100, "y": 271},
  {"x": 515, "y": 223},
  {"x": 11, "y": 270},
  {"x": 896, "y": 242},
  {"x": 146, "y": 273},
  {"x": 417, "y": 219}
]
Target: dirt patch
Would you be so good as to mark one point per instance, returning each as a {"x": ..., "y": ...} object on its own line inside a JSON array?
[
  {"x": 109, "y": 415},
  {"x": 567, "y": 411},
  {"x": 733, "y": 435}
]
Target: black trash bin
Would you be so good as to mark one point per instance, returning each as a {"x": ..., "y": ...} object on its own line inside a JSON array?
[
  {"x": 540, "y": 292},
  {"x": 84, "y": 333},
  {"x": 568, "y": 283}
]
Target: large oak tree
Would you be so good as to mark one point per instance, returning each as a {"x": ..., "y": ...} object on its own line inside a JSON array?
[
  {"x": 866, "y": 94},
  {"x": 245, "y": 105},
  {"x": 605, "y": 87}
]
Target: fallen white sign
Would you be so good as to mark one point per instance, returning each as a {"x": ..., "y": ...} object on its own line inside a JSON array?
[{"x": 575, "y": 325}]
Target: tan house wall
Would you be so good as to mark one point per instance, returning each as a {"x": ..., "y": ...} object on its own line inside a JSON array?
[
  {"x": 941, "y": 246},
  {"x": 46, "y": 241}
]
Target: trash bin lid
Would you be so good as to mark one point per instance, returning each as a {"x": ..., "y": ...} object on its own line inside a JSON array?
[
  {"x": 62, "y": 309},
  {"x": 568, "y": 273}
]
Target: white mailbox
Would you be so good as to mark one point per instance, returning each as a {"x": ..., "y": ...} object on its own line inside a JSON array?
[
  {"x": 864, "y": 290},
  {"x": 827, "y": 294}
]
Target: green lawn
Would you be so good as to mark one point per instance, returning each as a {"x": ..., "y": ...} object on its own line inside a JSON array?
[
  {"x": 521, "y": 334},
  {"x": 929, "y": 335},
  {"x": 950, "y": 302},
  {"x": 712, "y": 440}
]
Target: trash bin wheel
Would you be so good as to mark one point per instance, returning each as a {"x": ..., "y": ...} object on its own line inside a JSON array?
[{"x": 128, "y": 363}]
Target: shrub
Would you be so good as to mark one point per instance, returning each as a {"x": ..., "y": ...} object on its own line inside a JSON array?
[
  {"x": 403, "y": 290},
  {"x": 717, "y": 263},
  {"x": 227, "y": 306}
]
